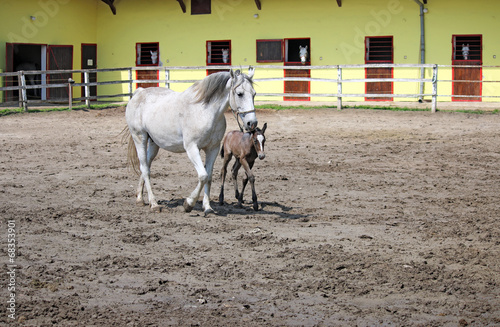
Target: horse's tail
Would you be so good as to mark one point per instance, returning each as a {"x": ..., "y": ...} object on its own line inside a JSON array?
[{"x": 132, "y": 158}]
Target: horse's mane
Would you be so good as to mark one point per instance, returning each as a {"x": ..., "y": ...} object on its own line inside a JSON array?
[{"x": 211, "y": 87}]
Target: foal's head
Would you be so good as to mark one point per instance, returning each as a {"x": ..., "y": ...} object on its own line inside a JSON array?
[{"x": 259, "y": 139}]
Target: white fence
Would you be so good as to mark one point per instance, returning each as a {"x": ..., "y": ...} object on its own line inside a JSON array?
[{"x": 338, "y": 76}]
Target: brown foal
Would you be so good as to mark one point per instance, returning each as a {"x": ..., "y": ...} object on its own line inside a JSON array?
[{"x": 246, "y": 147}]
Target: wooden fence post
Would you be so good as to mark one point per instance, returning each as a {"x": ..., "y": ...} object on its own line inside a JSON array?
[
  {"x": 86, "y": 80},
  {"x": 130, "y": 85},
  {"x": 167, "y": 78},
  {"x": 70, "y": 93},
  {"x": 434, "y": 87},
  {"x": 23, "y": 96},
  {"x": 339, "y": 88}
]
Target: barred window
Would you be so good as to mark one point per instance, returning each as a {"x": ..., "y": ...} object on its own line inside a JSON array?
[
  {"x": 467, "y": 47},
  {"x": 379, "y": 49},
  {"x": 147, "y": 54}
]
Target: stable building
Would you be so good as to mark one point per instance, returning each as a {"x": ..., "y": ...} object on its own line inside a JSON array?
[{"x": 83, "y": 34}]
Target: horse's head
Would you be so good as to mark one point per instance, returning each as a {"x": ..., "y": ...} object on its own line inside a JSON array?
[
  {"x": 154, "y": 56},
  {"x": 225, "y": 55},
  {"x": 259, "y": 139},
  {"x": 303, "y": 54},
  {"x": 241, "y": 97},
  {"x": 465, "y": 51}
]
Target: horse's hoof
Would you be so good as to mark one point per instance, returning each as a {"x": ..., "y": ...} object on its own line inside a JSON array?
[
  {"x": 209, "y": 211},
  {"x": 157, "y": 208},
  {"x": 256, "y": 206},
  {"x": 140, "y": 203},
  {"x": 187, "y": 207}
]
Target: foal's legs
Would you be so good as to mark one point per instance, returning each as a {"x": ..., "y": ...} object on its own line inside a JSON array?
[
  {"x": 234, "y": 171},
  {"x": 145, "y": 157},
  {"x": 249, "y": 177}
]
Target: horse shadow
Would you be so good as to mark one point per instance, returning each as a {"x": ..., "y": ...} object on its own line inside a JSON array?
[{"x": 266, "y": 208}]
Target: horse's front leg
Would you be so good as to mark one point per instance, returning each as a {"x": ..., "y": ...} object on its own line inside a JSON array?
[
  {"x": 223, "y": 172},
  {"x": 210, "y": 157},
  {"x": 194, "y": 155}
]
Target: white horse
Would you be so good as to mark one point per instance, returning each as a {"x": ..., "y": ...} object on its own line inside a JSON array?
[
  {"x": 225, "y": 55},
  {"x": 154, "y": 58},
  {"x": 465, "y": 51},
  {"x": 303, "y": 54},
  {"x": 189, "y": 121}
]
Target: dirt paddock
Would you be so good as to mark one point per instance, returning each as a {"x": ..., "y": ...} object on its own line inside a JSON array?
[{"x": 367, "y": 218}]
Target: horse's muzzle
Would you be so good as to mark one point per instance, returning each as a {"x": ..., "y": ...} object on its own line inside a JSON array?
[
  {"x": 251, "y": 125},
  {"x": 262, "y": 156}
]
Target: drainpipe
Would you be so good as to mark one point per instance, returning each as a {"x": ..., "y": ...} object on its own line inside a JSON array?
[{"x": 422, "y": 47}]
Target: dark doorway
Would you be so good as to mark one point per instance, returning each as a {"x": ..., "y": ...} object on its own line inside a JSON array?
[
  {"x": 27, "y": 57},
  {"x": 89, "y": 61}
]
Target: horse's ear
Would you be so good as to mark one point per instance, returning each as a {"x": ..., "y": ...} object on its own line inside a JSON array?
[
  {"x": 306, "y": 46},
  {"x": 264, "y": 128},
  {"x": 251, "y": 72}
]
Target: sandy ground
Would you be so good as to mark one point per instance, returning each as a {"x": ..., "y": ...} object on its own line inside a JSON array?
[{"x": 366, "y": 218}]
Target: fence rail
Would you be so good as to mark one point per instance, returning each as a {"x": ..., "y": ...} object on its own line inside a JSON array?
[{"x": 337, "y": 72}]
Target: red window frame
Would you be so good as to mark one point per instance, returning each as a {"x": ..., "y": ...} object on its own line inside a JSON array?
[
  {"x": 285, "y": 50},
  {"x": 157, "y": 47},
  {"x": 454, "y": 48},
  {"x": 208, "y": 45},
  {"x": 282, "y": 43},
  {"x": 388, "y": 61}
]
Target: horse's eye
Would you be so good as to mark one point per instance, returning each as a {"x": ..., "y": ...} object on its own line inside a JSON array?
[{"x": 240, "y": 95}]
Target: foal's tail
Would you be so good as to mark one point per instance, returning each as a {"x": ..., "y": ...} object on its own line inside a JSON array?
[
  {"x": 132, "y": 158},
  {"x": 222, "y": 147}
]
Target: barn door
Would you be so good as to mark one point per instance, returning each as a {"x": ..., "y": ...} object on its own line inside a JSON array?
[
  {"x": 59, "y": 57},
  {"x": 89, "y": 61},
  {"x": 292, "y": 58},
  {"x": 467, "y": 51},
  {"x": 297, "y": 86},
  {"x": 379, "y": 50}
]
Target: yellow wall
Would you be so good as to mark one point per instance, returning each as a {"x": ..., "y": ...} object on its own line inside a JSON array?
[
  {"x": 336, "y": 34},
  {"x": 58, "y": 22}
]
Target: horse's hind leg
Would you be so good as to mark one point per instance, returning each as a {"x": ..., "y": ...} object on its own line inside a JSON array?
[{"x": 146, "y": 151}]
